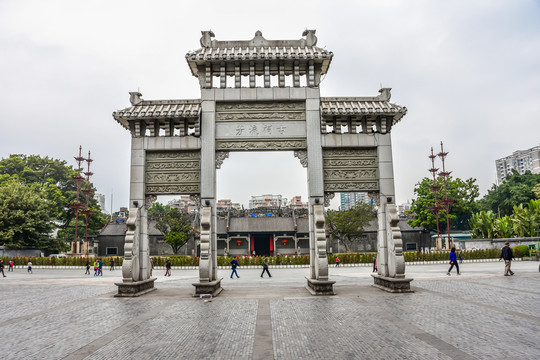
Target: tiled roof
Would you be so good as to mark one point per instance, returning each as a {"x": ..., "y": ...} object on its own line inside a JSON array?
[
  {"x": 259, "y": 53},
  {"x": 360, "y": 106},
  {"x": 159, "y": 109}
]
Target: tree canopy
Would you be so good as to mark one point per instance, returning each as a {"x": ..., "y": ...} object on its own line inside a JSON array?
[
  {"x": 463, "y": 192},
  {"x": 515, "y": 190},
  {"x": 49, "y": 188},
  {"x": 349, "y": 225},
  {"x": 176, "y": 227}
]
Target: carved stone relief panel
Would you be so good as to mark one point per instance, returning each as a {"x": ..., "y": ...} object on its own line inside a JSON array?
[
  {"x": 350, "y": 170},
  {"x": 259, "y": 121},
  {"x": 261, "y": 111},
  {"x": 245, "y": 145},
  {"x": 173, "y": 172}
]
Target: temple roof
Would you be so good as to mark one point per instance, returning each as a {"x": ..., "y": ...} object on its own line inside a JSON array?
[
  {"x": 158, "y": 109},
  {"x": 258, "y": 49},
  {"x": 350, "y": 106}
]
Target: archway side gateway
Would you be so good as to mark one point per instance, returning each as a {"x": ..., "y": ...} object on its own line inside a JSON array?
[{"x": 177, "y": 145}]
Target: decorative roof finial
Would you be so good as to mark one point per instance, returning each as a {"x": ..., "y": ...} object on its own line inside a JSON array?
[
  {"x": 206, "y": 39},
  {"x": 311, "y": 39}
]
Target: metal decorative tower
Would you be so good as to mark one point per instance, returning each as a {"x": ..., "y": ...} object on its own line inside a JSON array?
[
  {"x": 436, "y": 208},
  {"x": 88, "y": 191},
  {"x": 446, "y": 202},
  {"x": 77, "y": 206}
]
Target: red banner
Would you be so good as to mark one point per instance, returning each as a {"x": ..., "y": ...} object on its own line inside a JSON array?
[
  {"x": 271, "y": 243},
  {"x": 252, "y": 242}
]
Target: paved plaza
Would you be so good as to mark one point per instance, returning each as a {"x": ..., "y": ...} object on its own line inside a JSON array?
[{"x": 63, "y": 314}]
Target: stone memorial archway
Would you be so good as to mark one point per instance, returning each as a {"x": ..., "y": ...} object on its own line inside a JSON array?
[{"x": 260, "y": 95}]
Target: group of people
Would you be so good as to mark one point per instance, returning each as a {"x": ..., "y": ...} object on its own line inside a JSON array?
[
  {"x": 11, "y": 265},
  {"x": 506, "y": 254},
  {"x": 234, "y": 265}
]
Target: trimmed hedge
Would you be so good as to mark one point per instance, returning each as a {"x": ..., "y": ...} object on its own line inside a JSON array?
[
  {"x": 521, "y": 250},
  {"x": 345, "y": 258},
  {"x": 61, "y": 261}
]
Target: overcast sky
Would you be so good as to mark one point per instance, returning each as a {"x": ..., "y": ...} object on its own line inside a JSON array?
[{"x": 467, "y": 71}]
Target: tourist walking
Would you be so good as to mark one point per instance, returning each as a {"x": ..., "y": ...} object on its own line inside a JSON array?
[
  {"x": 374, "y": 264},
  {"x": 453, "y": 261},
  {"x": 2, "y": 268},
  {"x": 96, "y": 267},
  {"x": 265, "y": 268},
  {"x": 112, "y": 265},
  {"x": 29, "y": 267},
  {"x": 234, "y": 264},
  {"x": 100, "y": 267},
  {"x": 337, "y": 261},
  {"x": 87, "y": 267},
  {"x": 168, "y": 268},
  {"x": 508, "y": 256},
  {"x": 10, "y": 268}
]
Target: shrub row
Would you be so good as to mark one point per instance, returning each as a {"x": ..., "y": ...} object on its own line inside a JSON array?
[
  {"x": 61, "y": 261},
  {"x": 345, "y": 258}
]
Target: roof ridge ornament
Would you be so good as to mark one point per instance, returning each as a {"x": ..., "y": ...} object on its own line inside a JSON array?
[
  {"x": 311, "y": 39},
  {"x": 206, "y": 39},
  {"x": 385, "y": 94},
  {"x": 135, "y": 98}
]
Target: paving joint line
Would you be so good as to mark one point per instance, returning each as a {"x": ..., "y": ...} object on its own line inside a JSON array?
[
  {"x": 430, "y": 339},
  {"x": 263, "y": 341},
  {"x": 112, "y": 335}
]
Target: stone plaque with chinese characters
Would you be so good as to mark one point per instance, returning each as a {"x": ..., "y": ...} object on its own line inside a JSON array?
[
  {"x": 350, "y": 170},
  {"x": 257, "y": 125},
  {"x": 173, "y": 172}
]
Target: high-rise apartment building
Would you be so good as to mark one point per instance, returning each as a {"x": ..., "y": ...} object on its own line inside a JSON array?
[
  {"x": 267, "y": 200},
  {"x": 350, "y": 199},
  {"x": 521, "y": 161}
]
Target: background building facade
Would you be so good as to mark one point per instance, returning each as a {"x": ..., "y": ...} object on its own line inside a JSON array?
[{"x": 521, "y": 161}]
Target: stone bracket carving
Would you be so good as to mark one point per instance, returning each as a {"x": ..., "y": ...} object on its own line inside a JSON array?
[
  {"x": 130, "y": 266},
  {"x": 205, "y": 261},
  {"x": 302, "y": 156},
  {"x": 321, "y": 265},
  {"x": 220, "y": 157},
  {"x": 328, "y": 196},
  {"x": 149, "y": 200},
  {"x": 391, "y": 262}
]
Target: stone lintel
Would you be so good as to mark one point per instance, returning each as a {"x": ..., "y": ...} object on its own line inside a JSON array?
[
  {"x": 393, "y": 285},
  {"x": 320, "y": 287},
  {"x": 208, "y": 287},
  {"x": 135, "y": 288}
]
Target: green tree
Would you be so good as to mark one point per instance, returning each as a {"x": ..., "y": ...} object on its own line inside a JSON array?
[
  {"x": 536, "y": 191},
  {"x": 516, "y": 189},
  {"x": 159, "y": 209},
  {"x": 177, "y": 228},
  {"x": 24, "y": 216},
  {"x": 348, "y": 225},
  {"x": 463, "y": 192},
  {"x": 53, "y": 179}
]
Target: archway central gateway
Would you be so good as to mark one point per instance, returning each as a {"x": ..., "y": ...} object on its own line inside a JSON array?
[{"x": 245, "y": 105}]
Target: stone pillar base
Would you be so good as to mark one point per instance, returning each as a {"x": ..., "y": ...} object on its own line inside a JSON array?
[
  {"x": 135, "y": 288},
  {"x": 392, "y": 285},
  {"x": 211, "y": 287},
  {"x": 320, "y": 287}
]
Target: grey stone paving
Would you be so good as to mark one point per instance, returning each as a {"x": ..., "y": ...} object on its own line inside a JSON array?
[{"x": 56, "y": 314}]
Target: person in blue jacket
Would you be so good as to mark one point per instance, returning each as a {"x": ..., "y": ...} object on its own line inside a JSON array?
[
  {"x": 234, "y": 264},
  {"x": 453, "y": 261}
]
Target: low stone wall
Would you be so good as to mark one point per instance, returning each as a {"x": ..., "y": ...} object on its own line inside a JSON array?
[{"x": 472, "y": 244}]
